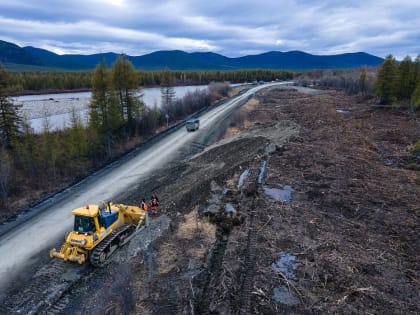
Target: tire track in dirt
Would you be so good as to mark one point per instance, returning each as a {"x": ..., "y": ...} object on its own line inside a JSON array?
[
  {"x": 246, "y": 274},
  {"x": 38, "y": 296},
  {"x": 212, "y": 274},
  {"x": 248, "y": 269},
  {"x": 213, "y": 280}
]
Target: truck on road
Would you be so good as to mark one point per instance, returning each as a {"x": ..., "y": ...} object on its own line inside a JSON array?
[{"x": 192, "y": 124}]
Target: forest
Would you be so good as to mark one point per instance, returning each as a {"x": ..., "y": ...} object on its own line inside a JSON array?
[
  {"x": 34, "y": 165},
  {"x": 42, "y": 82}
]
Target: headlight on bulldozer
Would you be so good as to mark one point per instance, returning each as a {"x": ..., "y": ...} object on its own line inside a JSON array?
[{"x": 84, "y": 242}]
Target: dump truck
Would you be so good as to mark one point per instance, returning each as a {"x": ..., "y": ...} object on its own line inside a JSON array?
[{"x": 98, "y": 231}]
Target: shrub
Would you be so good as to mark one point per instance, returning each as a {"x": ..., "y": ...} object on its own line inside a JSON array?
[
  {"x": 415, "y": 149},
  {"x": 415, "y": 98}
]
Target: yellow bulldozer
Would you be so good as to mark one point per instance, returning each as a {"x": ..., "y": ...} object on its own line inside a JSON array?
[{"x": 98, "y": 231}]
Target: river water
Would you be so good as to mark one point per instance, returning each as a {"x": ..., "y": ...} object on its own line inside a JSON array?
[{"x": 56, "y": 108}]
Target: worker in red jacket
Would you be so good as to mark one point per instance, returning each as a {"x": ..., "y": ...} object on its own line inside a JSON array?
[{"x": 155, "y": 203}]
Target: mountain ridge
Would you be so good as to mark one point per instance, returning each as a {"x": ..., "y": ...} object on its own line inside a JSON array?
[{"x": 12, "y": 54}]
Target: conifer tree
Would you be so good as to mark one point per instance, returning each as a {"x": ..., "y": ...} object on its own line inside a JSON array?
[
  {"x": 416, "y": 71},
  {"x": 49, "y": 150},
  {"x": 415, "y": 97},
  {"x": 76, "y": 137},
  {"x": 105, "y": 119},
  {"x": 9, "y": 118},
  {"x": 125, "y": 80},
  {"x": 26, "y": 151},
  {"x": 363, "y": 81},
  {"x": 406, "y": 78},
  {"x": 5, "y": 176},
  {"x": 387, "y": 81}
]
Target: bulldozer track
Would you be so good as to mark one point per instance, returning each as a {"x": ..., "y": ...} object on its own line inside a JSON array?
[
  {"x": 247, "y": 271},
  {"x": 58, "y": 307},
  {"x": 169, "y": 302},
  {"x": 212, "y": 280},
  {"x": 106, "y": 247},
  {"x": 40, "y": 299},
  {"x": 169, "y": 307},
  {"x": 213, "y": 273}
]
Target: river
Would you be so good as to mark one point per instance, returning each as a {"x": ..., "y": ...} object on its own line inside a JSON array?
[{"x": 56, "y": 108}]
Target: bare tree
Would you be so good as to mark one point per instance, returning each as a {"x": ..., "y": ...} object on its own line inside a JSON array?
[{"x": 167, "y": 90}]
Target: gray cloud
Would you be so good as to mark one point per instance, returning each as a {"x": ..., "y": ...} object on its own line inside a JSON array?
[{"x": 229, "y": 27}]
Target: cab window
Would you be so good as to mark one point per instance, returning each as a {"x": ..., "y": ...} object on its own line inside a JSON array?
[{"x": 84, "y": 224}]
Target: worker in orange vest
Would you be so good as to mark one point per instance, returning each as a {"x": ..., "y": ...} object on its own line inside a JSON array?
[
  {"x": 143, "y": 205},
  {"x": 155, "y": 203}
]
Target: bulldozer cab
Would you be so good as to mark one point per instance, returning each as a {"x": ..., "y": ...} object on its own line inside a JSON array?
[
  {"x": 84, "y": 224},
  {"x": 92, "y": 218}
]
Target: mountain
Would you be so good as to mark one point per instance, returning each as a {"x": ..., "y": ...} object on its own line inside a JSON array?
[
  {"x": 180, "y": 60},
  {"x": 17, "y": 57},
  {"x": 11, "y": 53}
]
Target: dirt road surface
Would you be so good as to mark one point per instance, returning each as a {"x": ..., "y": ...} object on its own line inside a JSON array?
[{"x": 309, "y": 205}]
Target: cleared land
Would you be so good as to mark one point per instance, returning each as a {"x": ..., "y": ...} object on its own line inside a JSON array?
[{"x": 347, "y": 242}]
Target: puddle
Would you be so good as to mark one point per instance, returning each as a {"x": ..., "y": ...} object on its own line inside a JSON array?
[
  {"x": 243, "y": 178},
  {"x": 286, "y": 264},
  {"x": 282, "y": 295},
  {"x": 229, "y": 208},
  {"x": 277, "y": 194},
  {"x": 343, "y": 111}
]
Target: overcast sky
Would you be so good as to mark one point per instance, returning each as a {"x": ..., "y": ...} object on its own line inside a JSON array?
[{"x": 229, "y": 27}]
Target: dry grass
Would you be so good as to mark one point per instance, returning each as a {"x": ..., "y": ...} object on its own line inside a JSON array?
[
  {"x": 167, "y": 259},
  {"x": 239, "y": 121},
  {"x": 193, "y": 226}
]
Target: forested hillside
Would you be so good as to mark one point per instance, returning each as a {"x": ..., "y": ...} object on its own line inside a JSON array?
[{"x": 13, "y": 55}]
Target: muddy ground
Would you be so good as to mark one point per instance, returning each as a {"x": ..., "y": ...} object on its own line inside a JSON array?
[
  {"x": 346, "y": 243},
  {"x": 300, "y": 209}
]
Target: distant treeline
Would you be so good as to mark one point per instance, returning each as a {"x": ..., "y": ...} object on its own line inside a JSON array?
[
  {"x": 394, "y": 83},
  {"x": 56, "y": 81},
  {"x": 352, "y": 81}
]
